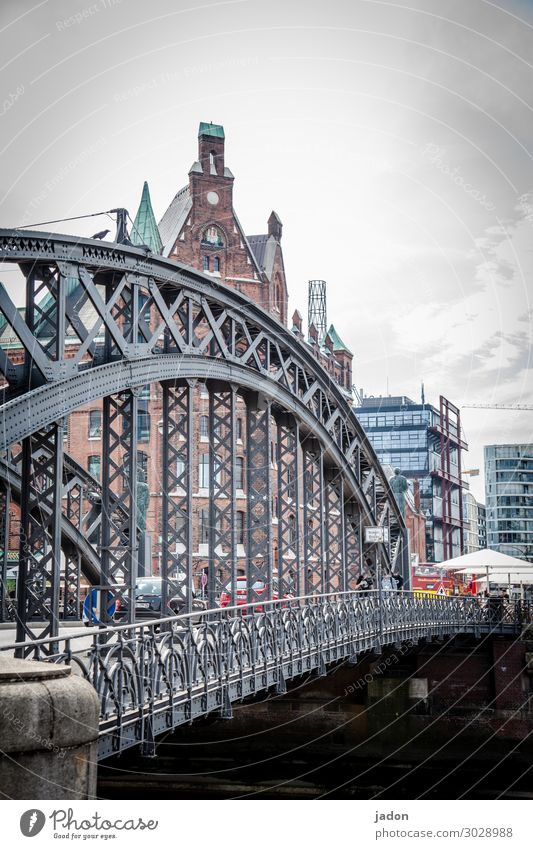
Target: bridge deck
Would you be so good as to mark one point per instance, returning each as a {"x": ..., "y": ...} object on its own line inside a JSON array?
[{"x": 154, "y": 676}]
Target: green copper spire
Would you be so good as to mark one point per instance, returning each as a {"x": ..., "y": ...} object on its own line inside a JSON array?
[
  {"x": 338, "y": 344},
  {"x": 144, "y": 230},
  {"x": 216, "y": 130}
]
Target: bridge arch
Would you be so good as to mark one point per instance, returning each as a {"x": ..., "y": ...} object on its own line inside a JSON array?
[{"x": 139, "y": 320}]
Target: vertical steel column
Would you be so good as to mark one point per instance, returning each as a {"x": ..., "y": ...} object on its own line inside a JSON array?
[
  {"x": 222, "y": 514},
  {"x": 71, "y": 600},
  {"x": 40, "y": 534},
  {"x": 288, "y": 506},
  {"x": 119, "y": 522},
  {"x": 314, "y": 539},
  {"x": 5, "y": 503},
  {"x": 333, "y": 521},
  {"x": 177, "y": 506},
  {"x": 259, "y": 502}
]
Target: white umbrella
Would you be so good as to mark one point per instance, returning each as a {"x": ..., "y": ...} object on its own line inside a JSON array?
[
  {"x": 487, "y": 560},
  {"x": 485, "y": 557}
]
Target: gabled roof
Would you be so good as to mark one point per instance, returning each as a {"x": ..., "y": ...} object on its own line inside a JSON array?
[
  {"x": 174, "y": 219},
  {"x": 144, "y": 230},
  {"x": 338, "y": 344},
  {"x": 264, "y": 250}
]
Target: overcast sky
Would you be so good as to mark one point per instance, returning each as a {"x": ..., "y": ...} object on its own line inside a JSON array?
[{"x": 394, "y": 139}]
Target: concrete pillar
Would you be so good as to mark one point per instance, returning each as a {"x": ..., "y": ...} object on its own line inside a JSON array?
[{"x": 48, "y": 732}]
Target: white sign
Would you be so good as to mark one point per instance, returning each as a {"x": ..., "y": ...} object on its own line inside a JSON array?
[
  {"x": 441, "y": 590},
  {"x": 374, "y": 534}
]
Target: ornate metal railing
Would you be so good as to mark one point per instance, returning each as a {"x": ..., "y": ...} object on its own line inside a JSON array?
[{"x": 154, "y": 676}]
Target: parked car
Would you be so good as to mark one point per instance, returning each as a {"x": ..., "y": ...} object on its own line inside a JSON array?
[
  {"x": 148, "y": 595},
  {"x": 259, "y": 588}
]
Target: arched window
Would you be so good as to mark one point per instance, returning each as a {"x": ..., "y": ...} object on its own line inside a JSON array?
[
  {"x": 212, "y": 236},
  {"x": 212, "y": 162}
]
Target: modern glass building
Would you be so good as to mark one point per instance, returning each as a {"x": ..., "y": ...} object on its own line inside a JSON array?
[
  {"x": 425, "y": 443},
  {"x": 509, "y": 499}
]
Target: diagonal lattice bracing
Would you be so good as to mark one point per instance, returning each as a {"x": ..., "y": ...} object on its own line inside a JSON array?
[
  {"x": 288, "y": 514},
  {"x": 259, "y": 502},
  {"x": 119, "y": 548},
  {"x": 335, "y": 560},
  {"x": 352, "y": 518},
  {"x": 222, "y": 542},
  {"x": 40, "y": 535},
  {"x": 314, "y": 532},
  {"x": 176, "y": 477}
]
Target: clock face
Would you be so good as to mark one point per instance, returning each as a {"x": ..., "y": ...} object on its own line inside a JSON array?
[{"x": 212, "y": 198}]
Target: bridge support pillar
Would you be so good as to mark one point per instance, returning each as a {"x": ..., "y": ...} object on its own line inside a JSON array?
[{"x": 48, "y": 732}]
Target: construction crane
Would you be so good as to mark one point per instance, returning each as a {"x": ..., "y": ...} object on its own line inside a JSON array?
[{"x": 496, "y": 406}]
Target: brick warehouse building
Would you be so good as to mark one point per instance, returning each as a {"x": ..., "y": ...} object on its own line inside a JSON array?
[{"x": 200, "y": 228}]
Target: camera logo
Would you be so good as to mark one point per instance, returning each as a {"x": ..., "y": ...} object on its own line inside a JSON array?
[{"x": 32, "y": 822}]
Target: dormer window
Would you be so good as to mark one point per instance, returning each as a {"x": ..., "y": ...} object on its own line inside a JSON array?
[{"x": 212, "y": 236}]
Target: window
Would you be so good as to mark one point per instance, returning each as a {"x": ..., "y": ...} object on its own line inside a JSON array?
[
  {"x": 180, "y": 471},
  {"x": 203, "y": 471},
  {"x": 239, "y": 429},
  {"x": 292, "y": 530},
  {"x": 212, "y": 163},
  {"x": 204, "y": 527},
  {"x": 240, "y": 527},
  {"x": 142, "y": 469},
  {"x": 206, "y": 263},
  {"x": 204, "y": 425},
  {"x": 239, "y": 473},
  {"x": 143, "y": 426},
  {"x": 142, "y": 466},
  {"x": 94, "y": 465},
  {"x": 216, "y": 264},
  {"x": 95, "y": 424}
]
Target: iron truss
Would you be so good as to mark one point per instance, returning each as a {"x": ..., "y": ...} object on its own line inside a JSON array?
[
  {"x": 151, "y": 679},
  {"x": 101, "y": 321}
]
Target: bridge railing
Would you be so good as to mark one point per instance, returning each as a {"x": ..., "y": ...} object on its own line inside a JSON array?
[{"x": 155, "y": 675}]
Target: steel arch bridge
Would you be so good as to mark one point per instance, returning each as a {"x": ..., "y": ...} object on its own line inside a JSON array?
[
  {"x": 99, "y": 323},
  {"x": 137, "y": 319}
]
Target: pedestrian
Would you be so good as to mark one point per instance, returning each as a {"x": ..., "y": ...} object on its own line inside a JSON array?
[{"x": 399, "y": 581}]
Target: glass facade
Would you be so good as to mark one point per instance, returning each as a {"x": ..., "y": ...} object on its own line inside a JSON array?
[
  {"x": 405, "y": 435},
  {"x": 509, "y": 499}
]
